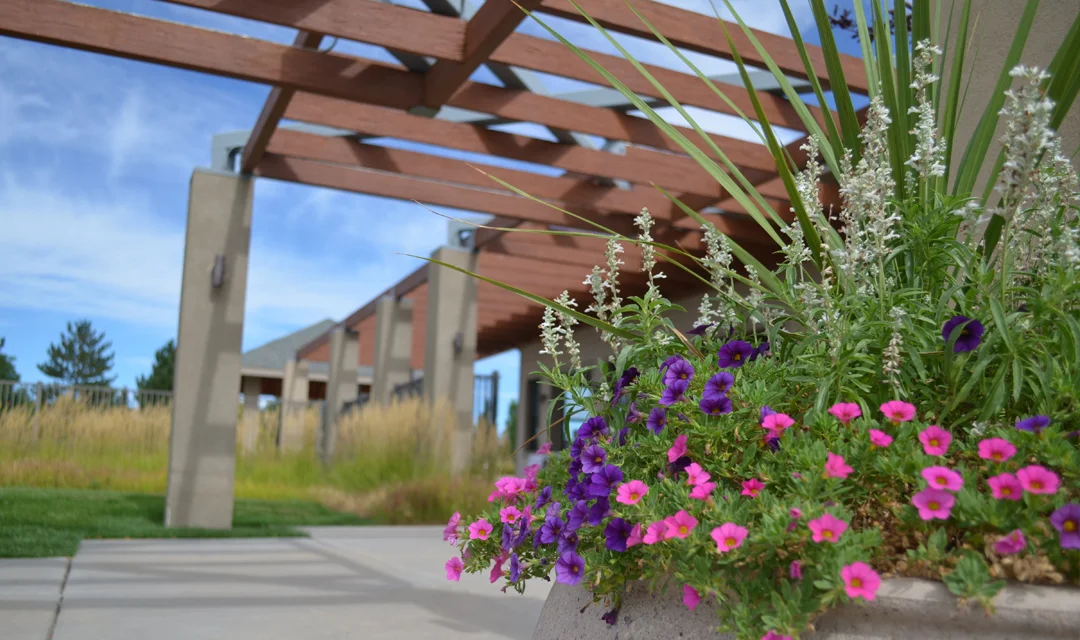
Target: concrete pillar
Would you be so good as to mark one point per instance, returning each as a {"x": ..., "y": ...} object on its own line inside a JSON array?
[
  {"x": 202, "y": 443},
  {"x": 251, "y": 387},
  {"x": 450, "y": 346},
  {"x": 294, "y": 399},
  {"x": 393, "y": 346},
  {"x": 341, "y": 386},
  {"x": 534, "y": 399}
]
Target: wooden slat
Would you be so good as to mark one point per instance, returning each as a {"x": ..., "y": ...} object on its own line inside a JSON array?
[
  {"x": 701, "y": 33},
  {"x": 486, "y": 30},
  {"x": 272, "y": 111}
]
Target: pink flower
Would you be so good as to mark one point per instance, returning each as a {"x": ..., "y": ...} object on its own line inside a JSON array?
[
  {"x": 795, "y": 513},
  {"x": 752, "y": 487},
  {"x": 943, "y": 478},
  {"x": 996, "y": 449},
  {"x": 1005, "y": 486},
  {"x": 935, "y": 440},
  {"x": 934, "y": 503},
  {"x": 678, "y": 449},
  {"x": 898, "y": 411},
  {"x": 497, "y": 570},
  {"x": 634, "y": 538},
  {"x": 860, "y": 581},
  {"x": 509, "y": 515},
  {"x": 690, "y": 597},
  {"x": 479, "y": 530},
  {"x": 544, "y": 448},
  {"x": 775, "y": 423},
  {"x": 827, "y": 528},
  {"x": 453, "y": 569},
  {"x": 655, "y": 533},
  {"x": 1036, "y": 479},
  {"x": 510, "y": 485},
  {"x": 835, "y": 467},
  {"x": 1010, "y": 544},
  {"x": 773, "y": 635},
  {"x": 728, "y": 536},
  {"x": 702, "y": 491},
  {"x": 449, "y": 534},
  {"x": 880, "y": 438},
  {"x": 845, "y": 412},
  {"x": 695, "y": 475},
  {"x": 795, "y": 570},
  {"x": 632, "y": 492},
  {"x": 679, "y": 525}
]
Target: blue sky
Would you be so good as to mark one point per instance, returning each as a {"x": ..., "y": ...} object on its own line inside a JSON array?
[{"x": 95, "y": 158}]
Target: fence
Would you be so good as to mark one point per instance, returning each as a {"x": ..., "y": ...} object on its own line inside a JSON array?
[{"x": 485, "y": 394}]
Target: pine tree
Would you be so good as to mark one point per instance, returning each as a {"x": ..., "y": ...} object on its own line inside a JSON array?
[
  {"x": 161, "y": 375},
  {"x": 7, "y": 365},
  {"x": 82, "y": 357}
]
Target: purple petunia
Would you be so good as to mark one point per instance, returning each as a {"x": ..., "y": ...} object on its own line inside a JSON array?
[
  {"x": 760, "y": 351},
  {"x": 576, "y": 516},
  {"x": 523, "y": 532},
  {"x": 625, "y": 380},
  {"x": 1067, "y": 521},
  {"x": 719, "y": 384},
  {"x": 569, "y": 568},
  {"x": 617, "y": 532},
  {"x": 542, "y": 499},
  {"x": 578, "y": 446},
  {"x": 680, "y": 464},
  {"x": 766, "y": 410},
  {"x": 679, "y": 371},
  {"x": 623, "y": 434},
  {"x": 604, "y": 481},
  {"x": 592, "y": 427},
  {"x": 593, "y": 458},
  {"x": 600, "y": 510},
  {"x": 633, "y": 415},
  {"x": 970, "y": 335},
  {"x": 715, "y": 405},
  {"x": 568, "y": 541},
  {"x": 515, "y": 568},
  {"x": 611, "y": 617},
  {"x": 667, "y": 363},
  {"x": 674, "y": 392},
  {"x": 657, "y": 420},
  {"x": 1034, "y": 424},
  {"x": 734, "y": 354},
  {"x": 551, "y": 530},
  {"x": 699, "y": 330}
]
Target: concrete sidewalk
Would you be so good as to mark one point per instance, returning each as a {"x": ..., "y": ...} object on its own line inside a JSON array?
[{"x": 343, "y": 582}]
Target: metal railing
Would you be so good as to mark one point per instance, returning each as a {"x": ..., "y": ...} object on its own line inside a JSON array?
[
  {"x": 408, "y": 389},
  {"x": 485, "y": 394},
  {"x": 38, "y": 394}
]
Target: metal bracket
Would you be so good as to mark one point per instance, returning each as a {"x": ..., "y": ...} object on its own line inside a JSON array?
[{"x": 217, "y": 274}]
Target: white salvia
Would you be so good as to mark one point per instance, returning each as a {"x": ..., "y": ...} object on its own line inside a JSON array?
[
  {"x": 706, "y": 313},
  {"x": 566, "y": 326},
  {"x": 717, "y": 261},
  {"x": 928, "y": 160},
  {"x": 611, "y": 277},
  {"x": 550, "y": 334},
  {"x": 662, "y": 339},
  {"x": 644, "y": 222},
  {"x": 892, "y": 357},
  {"x": 604, "y": 392},
  {"x": 595, "y": 280},
  {"x": 977, "y": 428},
  {"x": 1027, "y": 134},
  {"x": 1033, "y": 245}
]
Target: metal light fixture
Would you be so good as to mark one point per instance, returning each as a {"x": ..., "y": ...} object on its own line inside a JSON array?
[{"x": 217, "y": 274}]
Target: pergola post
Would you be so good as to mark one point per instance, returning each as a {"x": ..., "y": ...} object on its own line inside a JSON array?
[
  {"x": 251, "y": 387},
  {"x": 450, "y": 348},
  {"x": 294, "y": 399},
  {"x": 202, "y": 442},
  {"x": 393, "y": 346},
  {"x": 340, "y": 387},
  {"x": 534, "y": 398}
]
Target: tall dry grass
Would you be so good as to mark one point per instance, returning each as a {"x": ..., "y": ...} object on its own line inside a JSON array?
[{"x": 391, "y": 461}]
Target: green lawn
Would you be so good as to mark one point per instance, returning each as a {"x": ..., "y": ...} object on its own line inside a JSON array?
[{"x": 38, "y": 523}]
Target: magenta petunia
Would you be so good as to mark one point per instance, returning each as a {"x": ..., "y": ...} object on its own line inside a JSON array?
[
  {"x": 695, "y": 475},
  {"x": 795, "y": 570},
  {"x": 1067, "y": 521},
  {"x": 635, "y": 538},
  {"x": 544, "y": 448},
  {"x": 509, "y": 515},
  {"x": 996, "y": 449},
  {"x": 860, "y": 581},
  {"x": 479, "y": 530},
  {"x": 898, "y": 411},
  {"x": 453, "y": 569},
  {"x": 777, "y": 422},
  {"x": 943, "y": 478},
  {"x": 880, "y": 438},
  {"x": 690, "y": 597},
  {"x": 1039, "y": 480},
  {"x": 752, "y": 487},
  {"x": 774, "y": 635},
  {"x": 679, "y": 525},
  {"x": 934, "y": 504},
  {"x": 656, "y": 532},
  {"x": 728, "y": 536},
  {"x": 795, "y": 513},
  {"x": 1006, "y": 486},
  {"x": 935, "y": 440},
  {"x": 827, "y": 528},
  {"x": 1011, "y": 544},
  {"x": 702, "y": 491},
  {"x": 678, "y": 449},
  {"x": 835, "y": 467},
  {"x": 450, "y": 533},
  {"x": 845, "y": 412},
  {"x": 632, "y": 492}
]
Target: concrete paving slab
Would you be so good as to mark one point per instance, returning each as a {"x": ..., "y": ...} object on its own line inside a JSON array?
[{"x": 29, "y": 593}]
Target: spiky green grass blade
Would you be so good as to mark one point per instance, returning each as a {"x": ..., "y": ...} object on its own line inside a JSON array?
[
  {"x": 956, "y": 78},
  {"x": 849, "y": 124}
]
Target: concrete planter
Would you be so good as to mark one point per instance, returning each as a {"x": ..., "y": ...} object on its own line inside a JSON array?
[{"x": 904, "y": 608}]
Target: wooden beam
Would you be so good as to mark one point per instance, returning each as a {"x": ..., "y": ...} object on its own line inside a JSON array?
[
  {"x": 272, "y": 111},
  {"x": 703, "y": 34},
  {"x": 485, "y": 31}
]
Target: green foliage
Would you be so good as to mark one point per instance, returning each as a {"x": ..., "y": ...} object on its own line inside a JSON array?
[
  {"x": 82, "y": 357},
  {"x": 161, "y": 374},
  {"x": 512, "y": 425},
  {"x": 7, "y": 365}
]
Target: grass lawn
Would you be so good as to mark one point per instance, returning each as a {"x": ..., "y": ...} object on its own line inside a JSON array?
[{"x": 39, "y": 523}]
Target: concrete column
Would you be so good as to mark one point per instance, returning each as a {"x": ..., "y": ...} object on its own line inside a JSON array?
[
  {"x": 251, "y": 387},
  {"x": 340, "y": 387},
  {"x": 450, "y": 346},
  {"x": 202, "y": 443},
  {"x": 534, "y": 398},
  {"x": 294, "y": 399},
  {"x": 393, "y": 346}
]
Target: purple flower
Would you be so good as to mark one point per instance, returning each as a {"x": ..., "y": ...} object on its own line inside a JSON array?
[
  {"x": 579, "y": 445},
  {"x": 773, "y": 442},
  {"x": 576, "y": 516},
  {"x": 568, "y": 541},
  {"x": 507, "y": 542},
  {"x": 766, "y": 410},
  {"x": 680, "y": 464},
  {"x": 719, "y": 384},
  {"x": 579, "y": 491},
  {"x": 734, "y": 354},
  {"x": 611, "y": 617},
  {"x": 633, "y": 415},
  {"x": 667, "y": 363},
  {"x": 699, "y": 330},
  {"x": 515, "y": 568},
  {"x": 551, "y": 530},
  {"x": 1035, "y": 424},
  {"x": 600, "y": 510},
  {"x": 542, "y": 499},
  {"x": 623, "y": 433},
  {"x": 592, "y": 427},
  {"x": 604, "y": 481},
  {"x": 569, "y": 567},
  {"x": 715, "y": 405},
  {"x": 523, "y": 532},
  {"x": 625, "y": 380},
  {"x": 795, "y": 570},
  {"x": 674, "y": 392},
  {"x": 760, "y": 350},
  {"x": 657, "y": 420},
  {"x": 593, "y": 458},
  {"x": 970, "y": 335},
  {"x": 617, "y": 531},
  {"x": 679, "y": 371},
  {"x": 1067, "y": 521}
]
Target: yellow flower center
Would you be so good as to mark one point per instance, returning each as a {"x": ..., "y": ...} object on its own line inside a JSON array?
[
  {"x": 964, "y": 331},
  {"x": 682, "y": 376},
  {"x": 942, "y": 481},
  {"x": 715, "y": 410},
  {"x": 729, "y": 542},
  {"x": 737, "y": 357},
  {"x": 826, "y": 534},
  {"x": 598, "y": 459},
  {"x": 857, "y": 583},
  {"x": 934, "y": 506},
  {"x": 574, "y": 568},
  {"x": 1069, "y": 526},
  {"x": 1035, "y": 484},
  {"x": 996, "y": 456},
  {"x": 1006, "y": 491},
  {"x": 634, "y": 496},
  {"x": 933, "y": 443},
  {"x": 682, "y": 529}
]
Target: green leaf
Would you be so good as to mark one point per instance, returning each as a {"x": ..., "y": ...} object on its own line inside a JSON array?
[
  {"x": 999, "y": 323},
  {"x": 849, "y": 122},
  {"x": 889, "y": 97}
]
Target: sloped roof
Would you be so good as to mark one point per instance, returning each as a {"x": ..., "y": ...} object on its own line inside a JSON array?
[{"x": 274, "y": 354}]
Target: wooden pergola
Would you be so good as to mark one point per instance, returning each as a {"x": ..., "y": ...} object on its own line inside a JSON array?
[{"x": 428, "y": 98}]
